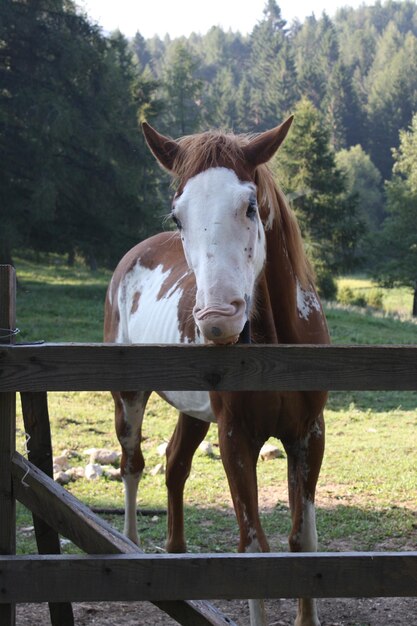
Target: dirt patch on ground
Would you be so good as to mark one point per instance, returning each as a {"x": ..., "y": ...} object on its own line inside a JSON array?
[
  {"x": 338, "y": 612},
  {"x": 332, "y": 612}
]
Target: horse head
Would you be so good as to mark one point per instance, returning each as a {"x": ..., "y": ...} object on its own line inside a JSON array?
[{"x": 217, "y": 212}]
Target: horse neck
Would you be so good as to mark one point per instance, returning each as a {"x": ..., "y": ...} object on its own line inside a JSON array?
[{"x": 281, "y": 320}]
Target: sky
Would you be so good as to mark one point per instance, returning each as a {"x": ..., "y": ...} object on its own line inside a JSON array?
[{"x": 182, "y": 17}]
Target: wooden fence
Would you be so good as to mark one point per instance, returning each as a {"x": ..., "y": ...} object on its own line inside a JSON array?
[{"x": 119, "y": 571}]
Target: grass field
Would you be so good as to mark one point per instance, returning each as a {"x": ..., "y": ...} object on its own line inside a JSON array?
[{"x": 367, "y": 489}]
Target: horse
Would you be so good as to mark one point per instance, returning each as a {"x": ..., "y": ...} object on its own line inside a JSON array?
[{"x": 234, "y": 266}]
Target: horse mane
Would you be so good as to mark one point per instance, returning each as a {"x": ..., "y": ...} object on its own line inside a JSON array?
[
  {"x": 272, "y": 199},
  {"x": 222, "y": 149}
]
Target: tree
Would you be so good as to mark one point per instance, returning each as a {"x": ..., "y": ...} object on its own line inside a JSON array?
[
  {"x": 342, "y": 108},
  {"x": 395, "y": 247},
  {"x": 363, "y": 179},
  {"x": 69, "y": 140},
  {"x": 272, "y": 70},
  {"x": 392, "y": 94},
  {"x": 305, "y": 167},
  {"x": 181, "y": 91}
]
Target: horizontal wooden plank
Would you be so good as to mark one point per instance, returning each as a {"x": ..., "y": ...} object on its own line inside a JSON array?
[
  {"x": 78, "y": 367},
  {"x": 169, "y": 577},
  {"x": 68, "y": 516}
]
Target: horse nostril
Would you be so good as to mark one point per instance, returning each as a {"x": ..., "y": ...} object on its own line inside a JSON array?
[{"x": 238, "y": 305}]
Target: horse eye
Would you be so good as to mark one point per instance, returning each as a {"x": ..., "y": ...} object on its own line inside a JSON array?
[
  {"x": 176, "y": 222},
  {"x": 251, "y": 210}
]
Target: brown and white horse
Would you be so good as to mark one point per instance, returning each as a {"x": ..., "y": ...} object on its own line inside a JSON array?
[{"x": 237, "y": 256}]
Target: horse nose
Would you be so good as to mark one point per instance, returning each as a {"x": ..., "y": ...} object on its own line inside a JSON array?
[
  {"x": 235, "y": 308},
  {"x": 222, "y": 323}
]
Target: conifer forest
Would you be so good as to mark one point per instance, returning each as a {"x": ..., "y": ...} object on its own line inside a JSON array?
[{"x": 76, "y": 176}]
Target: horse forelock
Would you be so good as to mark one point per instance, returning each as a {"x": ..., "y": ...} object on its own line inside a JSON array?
[{"x": 202, "y": 151}]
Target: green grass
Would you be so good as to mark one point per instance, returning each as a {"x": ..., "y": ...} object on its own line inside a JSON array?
[
  {"x": 367, "y": 487},
  {"x": 59, "y": 303},
  {"x": 398, "y": 300}
]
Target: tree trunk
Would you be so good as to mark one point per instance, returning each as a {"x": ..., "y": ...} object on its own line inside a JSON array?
[
  {"x": 5, "y": 253},
  {"x": 71, "y": 257},
  {"x": 92, "y": 262}
]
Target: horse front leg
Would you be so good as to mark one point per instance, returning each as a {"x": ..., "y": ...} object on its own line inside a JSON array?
[
  {"x": 304, "y": 462},
  {"x": 188, "y": 434},
  {"x": 129, "y": 410},
  {"x": 239, "y": 452}
]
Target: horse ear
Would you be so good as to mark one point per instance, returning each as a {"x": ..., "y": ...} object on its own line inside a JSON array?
[
  {"x": 163, "y": 148},
  {"x": 263, "y": 147}
]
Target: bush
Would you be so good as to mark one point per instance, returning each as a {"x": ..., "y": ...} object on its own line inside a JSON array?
[
  {"x": 346, "y": 295},
  {"x": 375, "y": 299},
  {"x": 326, "y": 284}
]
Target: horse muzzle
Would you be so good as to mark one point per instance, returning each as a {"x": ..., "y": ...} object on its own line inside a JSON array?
[{"x": 221, "y": 324}]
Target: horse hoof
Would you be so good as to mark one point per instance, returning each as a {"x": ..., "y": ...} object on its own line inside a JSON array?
[
  {"x": 176, "y": 548},
  {"x": 306, "y": 622}
]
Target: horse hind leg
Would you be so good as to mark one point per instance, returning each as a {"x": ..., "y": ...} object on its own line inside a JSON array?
[
  {"x": 129, "y": 410},
  {"x": 304, "y": 462},
  {"x": 188, "y": 434}
]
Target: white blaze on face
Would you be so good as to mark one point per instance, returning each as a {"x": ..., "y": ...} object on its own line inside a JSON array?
[{"x": 224, "y": 244}]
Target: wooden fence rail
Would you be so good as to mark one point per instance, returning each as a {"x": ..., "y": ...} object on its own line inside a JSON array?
[
  {"x": 123, "y": 573},
  {"x": 212, "y": 576},
  {"x": 95, "y": 367}
]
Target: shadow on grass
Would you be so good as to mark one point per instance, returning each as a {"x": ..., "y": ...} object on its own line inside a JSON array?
[
  {"x": 376, "y": 401},
  {"x": 61, "y": 312},
  {"x": 340, "y": 528}
]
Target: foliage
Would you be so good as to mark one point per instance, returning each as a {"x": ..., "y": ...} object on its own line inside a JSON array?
[
  {"x": 325, "y": 283},
  {"x": 363, "y": 179},
  {"x": 345, "y": 295},
  {"x": 181, "y": 91},
  {"x": 77, "y": 177},
  {"x": 274, "y": 88},
  {"x": 395, "y": 248},
  {"x": 392, "y": 301},
  {"x": 372, "y": 297},
  {"x": 72, "y": 155},
  {"x": 306, "y": 169}
]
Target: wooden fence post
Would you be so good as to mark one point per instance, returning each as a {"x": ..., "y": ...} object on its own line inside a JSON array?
[
  {"x": 37, "y": 426},
  {"x": 7, "y": 432}
]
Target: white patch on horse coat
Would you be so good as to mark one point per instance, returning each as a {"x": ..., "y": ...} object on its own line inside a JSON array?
[
  {"x": 307, "y": 301},
  {"x": 256, "y": 607},
  {"x": 156, "y": 321},
  {"x": 131, "y": 483},
  {"x": 308, "y": 533},
  {"x": 253, "y": 546}
]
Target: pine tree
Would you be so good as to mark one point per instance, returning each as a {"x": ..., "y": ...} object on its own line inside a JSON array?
[
  {"x": 272, "y": 70},
  {"x": 305, "y": 168},
  {"x": 392, "y": 99},
  {"x": 182, "y": 91},
  {"x": 395, "y": 247},
  {"x": 70, "y": 140}
]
